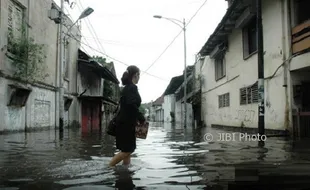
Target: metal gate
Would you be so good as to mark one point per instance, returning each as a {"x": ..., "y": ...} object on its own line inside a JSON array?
[{"x": 301, "y": 123}]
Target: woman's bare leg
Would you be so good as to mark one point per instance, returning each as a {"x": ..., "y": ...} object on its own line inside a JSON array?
[
  {"x": 118, "y": 158},
  {"x": 126, "y": 161}
]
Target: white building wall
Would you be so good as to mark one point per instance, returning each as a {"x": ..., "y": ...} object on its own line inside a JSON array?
[
  {"x": 39, "y": 111},
  {"x": 159, "y": 114},
  {"x": 42, "y": 108},
  {"x": 179, "y": 113},
  {"x": 168, "y": 106},
  {"x": 241, "y": 73}
]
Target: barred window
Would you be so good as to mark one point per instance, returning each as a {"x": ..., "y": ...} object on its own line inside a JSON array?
[
  {"x": 249, "y": 95},
  {"x": 15, "y": 22},
  {"x": 224, "y": 100}
]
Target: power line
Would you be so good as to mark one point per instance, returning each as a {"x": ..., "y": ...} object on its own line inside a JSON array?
[
  {"x": 86, "y": 25},
  {"x": 97, "y": 38},
  {"x": 177, "y": 35},
  {"x": 91, "y": 29},
  {"x": 113, "y": 58}
]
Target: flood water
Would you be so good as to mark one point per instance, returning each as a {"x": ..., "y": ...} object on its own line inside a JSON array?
[{"x": 170, "y": 158}]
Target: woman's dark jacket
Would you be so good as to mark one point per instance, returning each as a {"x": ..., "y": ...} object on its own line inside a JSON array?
[{"x": 127, "y": 118}]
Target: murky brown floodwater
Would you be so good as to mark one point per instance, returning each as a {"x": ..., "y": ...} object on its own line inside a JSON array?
[{"x": 170, "y": 158}]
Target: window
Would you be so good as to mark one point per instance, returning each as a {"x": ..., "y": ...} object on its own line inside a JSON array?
[
  {"x": 249, "y": 95},
  {"x": 220, "y": 68},
  {"x": 15, "y": 22},
  {"x": 67, "y": 59},
  {"x": 68, "y": 102},
  {"x": 224, "y": 100},
  {"x": 302, "y": 10},
  {"x": 249, "y": 38},
  {"x": 19, "y": 97}
]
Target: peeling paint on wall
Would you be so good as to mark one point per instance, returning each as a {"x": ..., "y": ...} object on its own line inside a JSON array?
[
  {"x": 42, "y": 113},
  {"x": 15, "y": 118}
]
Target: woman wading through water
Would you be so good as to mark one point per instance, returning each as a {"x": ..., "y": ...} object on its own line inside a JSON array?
[{"x": 128, "y": 116}]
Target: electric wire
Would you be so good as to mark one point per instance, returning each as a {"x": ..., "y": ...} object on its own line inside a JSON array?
[
  {"x": 86, "y": 26},
  {"x": 185, "y": 102},
  {"x": 95, "y": 33},
  {"x": 90, "y": 27},
  {"x": 104, "y": 54},
  {"x": 169, "y": 45}
]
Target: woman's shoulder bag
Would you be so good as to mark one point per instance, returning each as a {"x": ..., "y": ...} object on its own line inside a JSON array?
[{"x": 111, "y": 128}]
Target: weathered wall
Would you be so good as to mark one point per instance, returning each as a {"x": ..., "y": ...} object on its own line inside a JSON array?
[
  {"x": 42, "y": 107},
  {"x": 179, "y": 113},
  {"x": 39, "y": 111},
  {"x": 41, "y": 29},
  {"x": 11, "y": 118},
  {"x": 168, "y": 106},
  {"x": 159, "y": 116},
  {"x": 241, "y": 73}
]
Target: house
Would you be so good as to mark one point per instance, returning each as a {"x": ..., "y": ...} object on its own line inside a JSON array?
[
  {"x": 111, "y": 90},
  {"x": 179, "y": 98},
  {"x": 29, "y": 77},
  {"x": 230, "y": 70},
  {"x": 157, "y": 112},
  {"x": 90, "y": 80},
  {"x": 169, "y": 98},
  {"x": 195, "y": 99}
]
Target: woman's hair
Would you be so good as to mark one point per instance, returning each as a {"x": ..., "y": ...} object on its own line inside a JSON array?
[{"x": 128, "y": 74}]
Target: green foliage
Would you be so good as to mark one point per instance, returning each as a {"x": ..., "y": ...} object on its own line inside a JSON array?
[
  {"x": 142, "y": 110},
  {"x": 103, "y": 61},
  {"x": 99, "y": 59},
  {"x": 27, "y": 57},
  {"x": 107, "y": 89}
]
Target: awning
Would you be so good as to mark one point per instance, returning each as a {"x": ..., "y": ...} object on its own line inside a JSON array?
[
  {"x": 98, "y": 98},
  {"x": 174, "y": 84},
  {"x": 85, "y": 62}
]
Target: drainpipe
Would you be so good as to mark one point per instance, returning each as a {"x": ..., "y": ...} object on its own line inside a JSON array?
[
  {"x": 26, "y": 108},
  {"x": 286, "y": 27},
  {"x": 56, "y": 79}
]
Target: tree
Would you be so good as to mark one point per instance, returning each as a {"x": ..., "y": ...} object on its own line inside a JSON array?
[
  {"x": 142, "y": 109},
  {"x": 108, "y": 89}
]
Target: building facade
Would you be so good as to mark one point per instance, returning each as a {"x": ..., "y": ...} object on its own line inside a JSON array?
[
  {"x": 168, "y": 107},
  {"x": 28, "y": 86},
  {"x": 30, "y": 68},
  {"x": 230, "y": 69}
]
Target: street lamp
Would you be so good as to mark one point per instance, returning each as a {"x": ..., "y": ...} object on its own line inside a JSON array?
[
  {"x": 183, "y": 26},
  {"x": 84, "y": 14}
]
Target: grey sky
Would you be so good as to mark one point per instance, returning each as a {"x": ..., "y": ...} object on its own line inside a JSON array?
[{"x": 128, "y": 32}]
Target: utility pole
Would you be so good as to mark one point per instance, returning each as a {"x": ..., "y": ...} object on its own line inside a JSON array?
[
  {"x": 261, "y": 88},
  {"x": 185, "y": 75},
  {"x": 61, "y": 60},
  {"x": 58, "y": 17},
  {"x": 183, "y": 26}
]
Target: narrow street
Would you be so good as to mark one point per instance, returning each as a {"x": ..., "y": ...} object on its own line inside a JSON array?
[{"x": 170, "y": 158}]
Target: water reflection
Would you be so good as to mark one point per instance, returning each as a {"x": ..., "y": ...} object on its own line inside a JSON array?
[{"x": 171, "y": 157}]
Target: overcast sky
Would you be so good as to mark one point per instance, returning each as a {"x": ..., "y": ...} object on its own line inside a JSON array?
[{"x": 127, "y": 31}]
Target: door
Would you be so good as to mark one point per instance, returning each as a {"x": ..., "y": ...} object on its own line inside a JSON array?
[{"x": 90, "y": 116}]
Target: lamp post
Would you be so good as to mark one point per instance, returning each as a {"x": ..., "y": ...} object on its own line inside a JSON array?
[
  {"x": 84, "y": 14},
  {"x": 260, "y": 56},
  {"x": 183, "y": 26}
]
